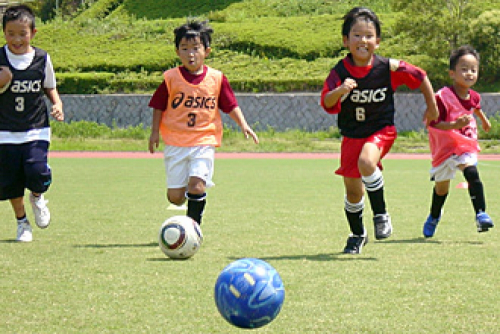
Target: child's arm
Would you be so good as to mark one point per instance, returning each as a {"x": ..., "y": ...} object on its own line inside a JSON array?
[
  {"x": 431, "y": 113},
  {"x": 332, "y": 97},
  {"x": 485, "y": 123},
  {"x": 57, "y": 105},
  {"x": 5, "y": 78},
  {"x": 459, "y": 123},
  {"x": 237, "y": 115},
  {"x": 154, "y": 138}
]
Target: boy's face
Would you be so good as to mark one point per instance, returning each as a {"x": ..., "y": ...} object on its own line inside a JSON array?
[
  {"x": 18, "y": 35},
  {"x": 192, "y": 54},
  {"x": 362, "y": 42},
  {"x": 466, "y": 72}
]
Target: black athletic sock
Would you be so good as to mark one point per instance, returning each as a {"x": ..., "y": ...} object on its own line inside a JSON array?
[
  {"x": 476, "y": 191},
  {"x": 354, "y": 214},
  {"x": 374, "y": 185},
  {"x": 196, "y": 206},
  {"x": 437, "y": 203}
]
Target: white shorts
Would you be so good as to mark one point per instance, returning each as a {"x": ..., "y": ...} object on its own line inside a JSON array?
[
  {"x": 181, "y": 163},
  {"x": 448, "y": 169}
]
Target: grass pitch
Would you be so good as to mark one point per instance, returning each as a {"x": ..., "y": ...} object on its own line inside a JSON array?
[{"x": 98, "y": 267}]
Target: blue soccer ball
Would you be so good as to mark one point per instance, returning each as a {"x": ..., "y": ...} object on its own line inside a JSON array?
[{"x": 249, "y": 293}]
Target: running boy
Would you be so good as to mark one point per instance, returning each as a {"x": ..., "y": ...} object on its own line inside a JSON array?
[
  {"x": 186, "y": 113},
  {"x": 360, "y": 89},
  {"x": 453, "y": 139},
  {"x": 26, "y": 75}
]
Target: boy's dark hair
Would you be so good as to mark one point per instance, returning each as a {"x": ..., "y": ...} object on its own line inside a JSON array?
[
  {"x": 360, "y": 14},
  {"x": 193, "y": 29},
  {"x": 460, "y": 52},
  {"x": 19, "y": 12}
]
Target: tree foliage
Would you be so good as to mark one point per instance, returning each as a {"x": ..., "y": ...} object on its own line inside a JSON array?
[{"x": 435, "y": 27}]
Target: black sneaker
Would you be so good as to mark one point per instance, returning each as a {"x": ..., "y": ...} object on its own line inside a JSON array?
[
  {"x": 355, "y": 243},
  {"x": 383, "y": 227}
]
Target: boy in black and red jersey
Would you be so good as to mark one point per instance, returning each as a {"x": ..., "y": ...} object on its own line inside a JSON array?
[
  {"x": 26, "y": 76},
  {"x": 360, "y": 89}
]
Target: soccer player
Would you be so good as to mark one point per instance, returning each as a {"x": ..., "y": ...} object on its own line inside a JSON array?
[
  {"x": 26, "y": 76},
  {"x": 453, "y": 139},
  {"x": 186, "y": 113},
  {"x": 360, "y": 89}
]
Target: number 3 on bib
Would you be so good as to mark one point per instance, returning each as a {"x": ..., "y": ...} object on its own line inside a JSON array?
[{"x": 360, "y": 114}]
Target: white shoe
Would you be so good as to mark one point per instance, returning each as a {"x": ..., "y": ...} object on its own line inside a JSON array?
[
  {"x": 24, "y": 233},
  {"x": 40, "y": 210}
]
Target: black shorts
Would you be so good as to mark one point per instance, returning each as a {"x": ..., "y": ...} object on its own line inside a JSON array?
[{"x": 24, "y": 166}]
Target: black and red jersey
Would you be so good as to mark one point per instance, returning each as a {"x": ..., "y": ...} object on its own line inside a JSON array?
[{"x": 370, "y": 106}]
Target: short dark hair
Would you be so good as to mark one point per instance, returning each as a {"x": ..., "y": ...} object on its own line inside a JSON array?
[
  {"x": 193, "y": 29},
  {"x": 460, "y": 52},
  {"x": 19, "y": 12},
  {"x": 360, "y": 14}
]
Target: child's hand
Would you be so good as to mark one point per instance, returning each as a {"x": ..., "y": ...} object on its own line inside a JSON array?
[
  {"x": 462, "y": 121},
  {"x": 347, "y": 86},
  {"x": 249, "y": 132},
  {"x": 57, "y": 112},
  {"x": 431, "y": 114},
  {"x": 154, "y": 141}
]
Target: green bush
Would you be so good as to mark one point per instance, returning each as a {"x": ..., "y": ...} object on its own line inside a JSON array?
[{"x": 486, "y": 39}]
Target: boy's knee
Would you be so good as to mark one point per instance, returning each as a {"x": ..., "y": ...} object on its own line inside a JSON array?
[
  {"x": 38, "y": 178},
  {"x": 471, "y": 174}
]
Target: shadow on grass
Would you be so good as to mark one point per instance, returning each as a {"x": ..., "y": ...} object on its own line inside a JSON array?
[
  {"x": 422, "y": 240},
  {"x": 151, "y": 244},
  {"x": 10, "y": 241},
  {"x": 316, "y": 257}
]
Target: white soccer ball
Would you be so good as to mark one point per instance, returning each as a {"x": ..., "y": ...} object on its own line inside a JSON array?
[{"x": 180, "y": 237}]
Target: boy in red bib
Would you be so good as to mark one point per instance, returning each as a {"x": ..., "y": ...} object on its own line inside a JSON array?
[
  {"x": 360, "y": 89},
  {"x": 453, "y": 139},
  {"x": 186, "y": 114}
]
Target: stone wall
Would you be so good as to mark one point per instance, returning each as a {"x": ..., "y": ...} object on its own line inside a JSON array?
[{"x": 279, "y": 111}]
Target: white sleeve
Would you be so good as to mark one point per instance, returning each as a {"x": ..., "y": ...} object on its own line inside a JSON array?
[{"x": 50, "y": 75}]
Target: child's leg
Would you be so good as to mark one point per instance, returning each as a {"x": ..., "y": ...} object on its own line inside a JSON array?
[
  {"x": 476, "y": 191},
  {"x": 176, "y": 196},
  {"x": 439, "y": 195},
  {"x": 354, "y": 205},
  {"x": 18, "y": 207},
  {"x": 372, "y": 177},
  {"x": 196, "y": 197}
]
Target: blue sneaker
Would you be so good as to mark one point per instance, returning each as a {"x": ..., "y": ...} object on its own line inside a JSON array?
[
  {"x": 483, "y": 222},
  {"x": 430, "y": 226}
]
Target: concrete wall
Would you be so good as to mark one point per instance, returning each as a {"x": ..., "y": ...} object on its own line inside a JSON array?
[{"x": 279, "y": 111}]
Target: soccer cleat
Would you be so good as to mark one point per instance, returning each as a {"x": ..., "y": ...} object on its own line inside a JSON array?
[
  {"x": 483, "y": 222},
  {"x": 383, "y": 226},
  {"x": 24, "y": 233},
  {"x": 40, "y": 210},
  {"x": 355, "y": 244},
  {"x": 430, "y": 226}
]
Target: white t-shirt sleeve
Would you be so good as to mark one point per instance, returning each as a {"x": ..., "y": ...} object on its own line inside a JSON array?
[{"x": 50, "y": 75}]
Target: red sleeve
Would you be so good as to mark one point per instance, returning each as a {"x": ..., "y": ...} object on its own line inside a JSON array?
[
  {"x": 160, "y": 97},
  {"x": 331, "y": 82},
  {"x": 408, "y": 75},
  {"x": 227, "y": 100}
]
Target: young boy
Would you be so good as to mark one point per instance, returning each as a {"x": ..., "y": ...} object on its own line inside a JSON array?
[
  {"x": 453, "y": 139},
  {"x": 360, "y": 89},
  {"x": 26, "y": 75},
  {"x": 186, "y": 113}
]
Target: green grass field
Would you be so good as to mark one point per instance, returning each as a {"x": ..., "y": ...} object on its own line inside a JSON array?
[{"x": 98, "y": 267}]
